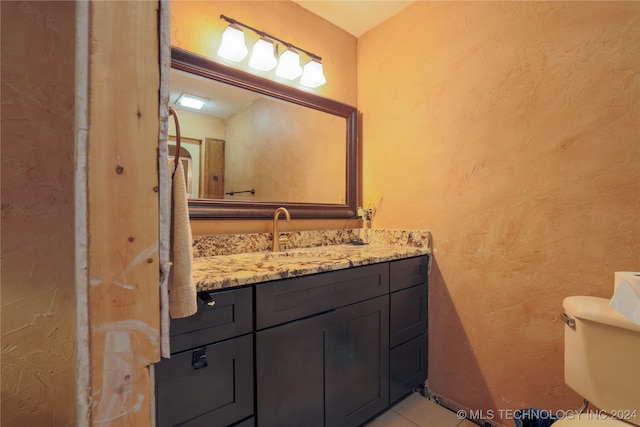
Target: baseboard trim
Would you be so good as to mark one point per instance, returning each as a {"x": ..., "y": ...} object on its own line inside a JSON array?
[{"x": 456, "y": 407}]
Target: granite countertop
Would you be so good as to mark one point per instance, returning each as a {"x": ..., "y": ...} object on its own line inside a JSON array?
[{"x": 226, "y": 271}]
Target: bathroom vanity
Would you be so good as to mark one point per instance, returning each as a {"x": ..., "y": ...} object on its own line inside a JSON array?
[
  {"x": 328, "y": 334},
  {"x": 335, "y": 345}
]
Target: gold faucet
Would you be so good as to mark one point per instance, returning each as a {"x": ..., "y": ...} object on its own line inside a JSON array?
[{"x": 277, "y": 240}]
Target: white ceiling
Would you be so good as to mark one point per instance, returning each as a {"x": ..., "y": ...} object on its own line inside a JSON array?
[
  {"x": 355, "y": 16},
  {"x": 223, "y": 99}
]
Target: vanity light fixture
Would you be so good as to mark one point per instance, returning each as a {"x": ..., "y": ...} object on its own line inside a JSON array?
[
  {"x": 232, "y": 46},
  {"x": 191, "y": 101},
  {"x": 313, "y": 75},
  {"x": 265, "y": 51},
  {"x": 263, "y": 55},
  {"x": 289, "y": 65}
]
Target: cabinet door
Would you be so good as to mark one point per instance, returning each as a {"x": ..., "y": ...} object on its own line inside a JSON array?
[
  {"x": 290, "y": 372},
  {"x": 357, "y": 371},
  {"x": 409, "y": 314},
  {"x": 409, "y": 362},
  {"x": 211, "y": 386}
]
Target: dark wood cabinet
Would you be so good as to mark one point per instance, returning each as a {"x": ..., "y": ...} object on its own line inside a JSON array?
[
  {"x": 409, "y": 342},
  {"x": 329, "y": 368},
  {"x": 408, "y": 272},
  {"x": 221, "y": 315},
  {"x": 331, "y": 349},
  {"x": 357, "y": 368},
  {"x": 291, "y": 299},
  {"x": 206, "y": 386},
  {"x": 208, "y": 381},
  {"x": 409, "y": 314},
  {"x": 408, "y": 367},
  {"x": 290, "y": 371}
]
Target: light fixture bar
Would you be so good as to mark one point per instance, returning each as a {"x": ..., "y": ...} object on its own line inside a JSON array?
[{"x": 269, "y": 36}]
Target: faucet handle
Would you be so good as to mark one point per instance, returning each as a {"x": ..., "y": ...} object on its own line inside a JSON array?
[{"x": 283, "y": 240}]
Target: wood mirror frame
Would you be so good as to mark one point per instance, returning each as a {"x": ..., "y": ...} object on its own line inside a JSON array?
[{"x": 232, "y": 209}]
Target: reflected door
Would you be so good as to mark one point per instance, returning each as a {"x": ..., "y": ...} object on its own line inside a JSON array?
[{"x": 213, "y": 169}]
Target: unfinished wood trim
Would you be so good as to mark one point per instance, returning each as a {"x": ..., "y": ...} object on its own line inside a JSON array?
[
  {"x": 81, "y": 112},
  {"x": 165, "y": 185},
  {"x": 123, "y": 267}
]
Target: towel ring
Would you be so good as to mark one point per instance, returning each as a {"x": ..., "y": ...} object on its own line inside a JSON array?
[{"x": 173, "y": 113}]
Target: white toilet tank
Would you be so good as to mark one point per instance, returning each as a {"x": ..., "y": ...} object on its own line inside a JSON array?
[{"x": 602, "y": 356}]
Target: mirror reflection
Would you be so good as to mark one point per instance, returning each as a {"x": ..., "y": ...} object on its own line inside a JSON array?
[{"x": 246, "y": 146}]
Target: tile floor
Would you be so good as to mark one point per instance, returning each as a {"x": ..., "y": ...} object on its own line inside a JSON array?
[{"x": 415, "y": 410}]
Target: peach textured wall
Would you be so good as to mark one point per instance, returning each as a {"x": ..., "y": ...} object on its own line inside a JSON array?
[
  {"x": 512, "y": 131},
  {"x": 196, "y": 26},
  {"x": 285, "y": 152},
  {"x": 38, "y": 283}
]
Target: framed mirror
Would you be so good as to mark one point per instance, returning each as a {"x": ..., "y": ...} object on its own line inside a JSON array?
[{"x": 257, "y": 144}]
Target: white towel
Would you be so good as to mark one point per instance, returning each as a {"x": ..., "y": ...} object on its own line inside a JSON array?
[{"x": 182, "y": 290}]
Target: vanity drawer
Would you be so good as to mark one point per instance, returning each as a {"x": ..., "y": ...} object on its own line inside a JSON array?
[
  {"x": 409, "y": 314},
  {"x": 408, "y": 365},
  {"x": 221, "y": 315},
  {"x": 409, "y": 272},
  {"x": 210, "y": 386},
  {"x": 291, "y": 299}
]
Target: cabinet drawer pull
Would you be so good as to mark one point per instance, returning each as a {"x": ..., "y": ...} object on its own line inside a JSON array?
[
  {"x": 206, "y": 299},
  {"x": 199, "y": 358}
]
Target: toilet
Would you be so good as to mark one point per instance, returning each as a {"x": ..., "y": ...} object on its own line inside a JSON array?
[{"x": 601, "y": 363}]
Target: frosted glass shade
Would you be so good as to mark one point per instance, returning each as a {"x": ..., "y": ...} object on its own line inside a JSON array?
[
  {"x": 262, "y": 56},
  {"x": 313, "y": 75},
  {"x": 289, "y": 65},
  {"x": 232, "y": 46}
]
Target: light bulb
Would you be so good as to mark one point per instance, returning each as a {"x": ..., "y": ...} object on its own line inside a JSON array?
[
  {"x": 232, "y": 46},
  {"x": 262, "y": 56},
  {"x": 313, "y": 75},
  {"x": 289, "y": 65}
]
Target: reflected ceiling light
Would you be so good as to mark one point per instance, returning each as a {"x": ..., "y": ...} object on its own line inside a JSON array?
[
  {"x": 191, "y": 101},
  {"x": 232, "y": 46},
  {"x": 289, "y": 65},
  {"x": 313, "y": 76},
  {"x": 263, "y": 56}
]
